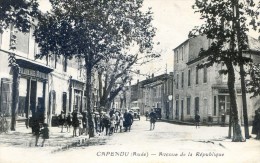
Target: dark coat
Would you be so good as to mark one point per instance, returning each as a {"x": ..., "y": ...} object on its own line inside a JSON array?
[
  {"x": 153, "y": 117},
  {"x": 256, "y": 123},
  {"x": 197, "y": 118},
  {"x": 75, "y": 120},
  {"x": 62, "y": 119},
  {"x": 45, "y": 133},
  {"x": 68, "y": 119},
  {"x": 128, "y": 119},
  {"x": 105, "y": 122}
]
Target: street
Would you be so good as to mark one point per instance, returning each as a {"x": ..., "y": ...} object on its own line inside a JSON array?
[{"x": 166, "y": 143}]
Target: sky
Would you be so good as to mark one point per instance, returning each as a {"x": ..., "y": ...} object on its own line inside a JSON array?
[{"x": 173, "y": 20}]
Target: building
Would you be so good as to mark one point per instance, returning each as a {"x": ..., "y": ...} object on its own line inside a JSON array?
[
  {"x": 46, "y": 86},
  {"x": 153, "y": 92},
  {"x": 205, "y": 90}
]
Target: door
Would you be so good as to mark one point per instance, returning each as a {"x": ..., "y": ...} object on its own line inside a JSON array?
[{"x": 33, "y": 94}]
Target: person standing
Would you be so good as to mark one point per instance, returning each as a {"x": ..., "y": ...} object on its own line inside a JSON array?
[
  {"x": 62, "y": 120},
  {"x": 69, "y": 122},
  {"x": 106, "y": 123},
  {"x": 128, "y": 120},
  {"x": 112, "y": 124},
  {"x": 197, "y": 119},
  {"x": 117, "y": 117},
  {"x": 256, "y": 124},
  {"x": 84, "y": 123},
  {"x": 37, "y": 129},
  {"x": 153, "y": 119},
  {"x": 75, "y": 122},
  {"x": 146, "y": 114},
  {"x": 121, "y": 122},
  {"x": 45, "y": 133}
]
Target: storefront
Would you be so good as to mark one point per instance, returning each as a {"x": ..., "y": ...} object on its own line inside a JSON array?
[{"x": 32, "y": 89}]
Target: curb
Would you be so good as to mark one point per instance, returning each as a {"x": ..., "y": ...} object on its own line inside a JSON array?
[{"x": 71, "y": 145}]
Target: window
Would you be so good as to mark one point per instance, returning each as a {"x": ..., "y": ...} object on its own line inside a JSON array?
[
  {"x": 189, "y": 77},
  {"x": 22, "y": 41},
  {"x": 182, "y": 79},
  {"x": 205, "y": 72},
  {"x": 177, "y": 82},
  {"x": 215, "y": 105},
  {"x": 177, "y": 109},
  {"x": 188, "y": 105},
  {"x": 197, "y": 109},
  {"x": 224, "y": 104},
  {"x": 197, "y": 75},
  {"x": 227, "y": 105},
  {"x": 64, "y": 101}
]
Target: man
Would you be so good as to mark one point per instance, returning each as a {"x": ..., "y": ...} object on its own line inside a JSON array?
[
  {"x": 197, "y": 119},
  {"x": 128, "y": 121},
  {"x": 153, "y": 118}
]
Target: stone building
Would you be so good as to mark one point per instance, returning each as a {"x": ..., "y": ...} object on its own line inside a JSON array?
[
  {"x": 153, "y": 92},
  {"x": 46, "y": 86},
  {"x": 205, "y": 90}
]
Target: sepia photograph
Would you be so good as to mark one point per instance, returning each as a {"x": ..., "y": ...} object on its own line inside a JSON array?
[{"x": 130, "y": 81}]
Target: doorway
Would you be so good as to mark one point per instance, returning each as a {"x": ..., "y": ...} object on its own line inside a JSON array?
[{"x": 33, "y": 95}]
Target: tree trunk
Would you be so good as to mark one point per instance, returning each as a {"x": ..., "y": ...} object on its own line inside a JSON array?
[
  {"x": 230, "y": 124},
  {"x": 237, "y": 135},
  {"x": 242, "y": 71},
  {"x": 15, "y": 96},
  {"x": 243, "y": 89},
  {"x": 89, "y": 94}
]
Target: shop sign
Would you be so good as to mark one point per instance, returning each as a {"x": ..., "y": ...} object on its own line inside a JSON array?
[{"x": 33, "y": 73}]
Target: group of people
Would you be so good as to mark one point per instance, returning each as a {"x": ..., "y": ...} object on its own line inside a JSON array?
[
  {"x": 75, "y": 119},
  {"x": 110, "y": 123},
  {"x": 113, "y": 122}
]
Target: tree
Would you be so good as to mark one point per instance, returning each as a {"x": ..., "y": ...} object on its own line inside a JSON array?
[
  {"x": 17, "y": 14},
  {"x": 94, "y": 30},
  {"x": 229, "y": 39},
  {"x": 253, "y": 85},
  {"x": 117, "y": 72}
]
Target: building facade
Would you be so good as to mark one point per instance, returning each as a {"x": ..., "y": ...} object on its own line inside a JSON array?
[
  {"x": 46, "y": 86},
  {"x": 204, "y": 90}
]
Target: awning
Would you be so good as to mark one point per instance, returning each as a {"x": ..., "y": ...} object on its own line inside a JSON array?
[{"x": 33, "y": 65}]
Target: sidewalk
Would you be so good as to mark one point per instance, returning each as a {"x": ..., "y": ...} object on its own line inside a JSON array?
[
  {"x": 177, "y": 122},
  {"x": 58, "y": 140}
]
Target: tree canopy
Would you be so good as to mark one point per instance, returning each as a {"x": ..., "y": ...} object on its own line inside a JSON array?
[
  {"x": 95, "y": 31},
  {"x": 18, "y": 13}
]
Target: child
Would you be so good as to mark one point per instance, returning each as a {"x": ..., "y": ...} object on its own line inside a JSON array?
[
  {"x": 45, "y": 133},
  {"x": 121, "y": 122},
  {"x": 112, "y": 125}
]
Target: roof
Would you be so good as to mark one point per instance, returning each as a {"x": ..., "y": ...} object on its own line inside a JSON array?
[
  {"x": 154, "y": 80},
  {"x": 30, "y": 64}
]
